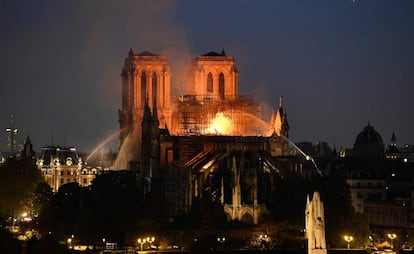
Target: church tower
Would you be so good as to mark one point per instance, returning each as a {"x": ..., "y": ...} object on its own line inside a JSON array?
[
  {"x": 145, "y": 76},
  {"x": 278, "y": 122},
  {"x": 279, "y": 131},
  {"x": 215, "y": 75},
  {"x": 28, "y": 149}
]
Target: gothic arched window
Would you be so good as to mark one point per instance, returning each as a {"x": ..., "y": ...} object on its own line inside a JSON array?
[
  {"x": 143, "y": 88},
  {"x": 209, "y": 83},
  {"x": 221, "y": 85}
]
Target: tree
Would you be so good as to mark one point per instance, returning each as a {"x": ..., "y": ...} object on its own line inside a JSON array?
[
  {"x": 111, "y": 207},
  {"x": 61, "y": 213},
  {"x": 42, "y": 196},
  {"x": 18, "y": 180}
]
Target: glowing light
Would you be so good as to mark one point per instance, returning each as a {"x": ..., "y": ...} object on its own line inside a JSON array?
[
  {"x": 221, "y": 124},
  {"x": 141, "y": 242},
  {"x": 392, "y": 237},
  {"x": 348, "y": 240}
]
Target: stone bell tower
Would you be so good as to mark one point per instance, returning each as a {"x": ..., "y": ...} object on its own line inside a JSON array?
[
  {"x": 146, "y": 78},
  {"x": 214, "y": 74}
]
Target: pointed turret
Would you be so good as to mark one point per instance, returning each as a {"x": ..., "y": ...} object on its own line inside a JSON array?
[
  {"x": 279, "y": 121},
  {"x": 155, "y": 120},
  {"x": 236, "y": 199},
  {"x": 393, "y": 140},
  {"x": 285, "y": 125},
  {"x": 130, "y": 53},
  {"x": 147, "y": 117},
  {"x": 28, "y": 149},
  {"x": 392, "y": 147}
]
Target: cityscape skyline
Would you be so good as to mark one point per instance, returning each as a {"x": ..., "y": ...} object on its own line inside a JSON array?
[{"x": 338, "y": 65}]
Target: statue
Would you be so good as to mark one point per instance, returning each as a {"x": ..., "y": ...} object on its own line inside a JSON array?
[{"x": 315, "y": 225}]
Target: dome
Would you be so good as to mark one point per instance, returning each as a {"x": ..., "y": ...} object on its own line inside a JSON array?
[
  {"x": 368, "y": 136},
  {"x": 368, "y": 143}
]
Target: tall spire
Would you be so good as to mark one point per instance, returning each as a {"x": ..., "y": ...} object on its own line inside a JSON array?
[
  {"x": 393, "y": 138},
  {"x": 393, "y": 143},
  {"x": 155, "y": 113},
  {"x": 27, "y": 149},
  {"x": 285, "y": 125},
  {"x": 280, "y": 120},
  {"x": 147, "y": 112}
]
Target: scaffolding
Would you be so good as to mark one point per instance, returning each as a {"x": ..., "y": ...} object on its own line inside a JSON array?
[{"x": 195, "y": 113}]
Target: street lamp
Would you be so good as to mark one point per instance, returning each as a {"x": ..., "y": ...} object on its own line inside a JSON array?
[
  {"x": 392, "y": 237},
  {"x": 264, "y": 240},
  {"x": 348, "y": 239},
  {"x": 141, "y": 241},
  {"x": 150, "y": 240},
  {"x": 69, "y": 242}
]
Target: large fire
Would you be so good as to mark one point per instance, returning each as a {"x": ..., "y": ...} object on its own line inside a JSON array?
[{"x": 220, "y": 125}]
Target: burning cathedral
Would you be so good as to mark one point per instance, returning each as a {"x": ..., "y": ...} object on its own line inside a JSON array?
[{"x": 210, "y": 143}]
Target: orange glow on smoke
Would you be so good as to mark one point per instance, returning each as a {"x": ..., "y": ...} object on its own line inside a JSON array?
[{"x": 220, "y": 124}]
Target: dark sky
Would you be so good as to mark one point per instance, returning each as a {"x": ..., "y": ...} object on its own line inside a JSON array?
[{"x": 338, "y": 64}]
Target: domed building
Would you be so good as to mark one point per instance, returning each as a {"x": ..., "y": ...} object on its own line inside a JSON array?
[
  {"x": 368, "y": 144},
  {"x": 367, "y": 169},
  {"x": 368, "y": 154}
]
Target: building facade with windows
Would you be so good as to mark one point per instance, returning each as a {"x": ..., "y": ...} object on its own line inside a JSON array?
[{"x": 62, "y": 165}]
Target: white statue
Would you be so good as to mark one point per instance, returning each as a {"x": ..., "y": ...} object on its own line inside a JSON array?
[{"x": 315, "y": 225}]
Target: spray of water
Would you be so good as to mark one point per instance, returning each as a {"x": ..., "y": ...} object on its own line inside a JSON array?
[
  {"x": 129, "y": 151},
  {"x": 99, "y": 147},
  {"x": 307, "y": 157}
]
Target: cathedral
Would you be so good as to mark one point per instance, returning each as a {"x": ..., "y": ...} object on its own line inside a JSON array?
[
  {"x": 212, "y": 105},
  {"x": 210, "y": 143}
]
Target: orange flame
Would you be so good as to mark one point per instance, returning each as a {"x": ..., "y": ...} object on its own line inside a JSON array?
[{"x": 221, "y": 125}]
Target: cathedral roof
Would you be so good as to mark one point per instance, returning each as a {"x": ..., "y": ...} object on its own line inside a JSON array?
[
  {"x": 213, "y": 53},
  {"x": 147, "y": 53}
]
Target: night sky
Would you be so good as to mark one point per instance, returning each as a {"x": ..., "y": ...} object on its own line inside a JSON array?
[{"x": 338, "y": 64}]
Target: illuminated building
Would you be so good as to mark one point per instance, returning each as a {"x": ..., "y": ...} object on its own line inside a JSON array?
[
  {"x": 210, "y": 143},
  {"x": 62, "y": 165},
  {"x": 11, "y": 136},
  {"x": 211, "y": 106},
  {"x": 145, "y": 77}
]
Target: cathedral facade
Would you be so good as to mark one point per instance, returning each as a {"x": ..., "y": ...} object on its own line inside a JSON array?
[
  {"x": 211, "y": 106},
  {"x": 146, "y": 78},
  {"x": 210, "y": 143}
]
